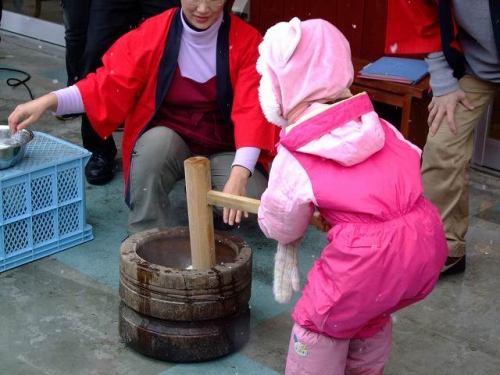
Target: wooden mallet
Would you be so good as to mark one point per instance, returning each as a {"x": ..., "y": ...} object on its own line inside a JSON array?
[{"x": 200, "y": 201}]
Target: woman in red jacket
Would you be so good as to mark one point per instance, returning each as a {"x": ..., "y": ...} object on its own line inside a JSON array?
[{"x": 184, "y": 83}]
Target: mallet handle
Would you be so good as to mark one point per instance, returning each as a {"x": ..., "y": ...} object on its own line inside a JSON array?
[{"x": 218, "y": 198}]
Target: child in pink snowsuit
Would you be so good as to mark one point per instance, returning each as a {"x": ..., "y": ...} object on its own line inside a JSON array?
[{"x": 336, "y": 156}]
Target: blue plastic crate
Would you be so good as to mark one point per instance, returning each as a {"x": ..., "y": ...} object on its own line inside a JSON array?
[{"x": 42, "y": 206}]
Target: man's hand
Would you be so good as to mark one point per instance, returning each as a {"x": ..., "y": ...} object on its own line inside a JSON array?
[
  {"x": 236, "y": 185},
  {"x": 446, "y": 105}
]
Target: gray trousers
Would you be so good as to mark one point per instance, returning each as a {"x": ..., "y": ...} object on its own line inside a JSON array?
[{"x": 157, "y": 164}]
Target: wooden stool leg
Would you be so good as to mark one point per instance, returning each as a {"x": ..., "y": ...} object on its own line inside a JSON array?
[{"x": 38, "y": 9}]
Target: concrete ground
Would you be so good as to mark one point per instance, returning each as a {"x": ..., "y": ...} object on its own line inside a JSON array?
[{"x": 59, "y": 315}]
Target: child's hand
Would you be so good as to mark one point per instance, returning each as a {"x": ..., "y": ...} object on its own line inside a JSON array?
[{"x": 320, "y": 223}]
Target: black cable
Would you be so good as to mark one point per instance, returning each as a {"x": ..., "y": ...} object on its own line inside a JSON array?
[{"x": 14, "y": 82}]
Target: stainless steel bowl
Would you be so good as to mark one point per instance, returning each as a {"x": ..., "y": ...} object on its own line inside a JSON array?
[{"x": 13, "y": 147}]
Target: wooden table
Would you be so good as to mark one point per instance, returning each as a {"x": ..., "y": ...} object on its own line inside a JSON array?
[{"x": 412, "y": 99}]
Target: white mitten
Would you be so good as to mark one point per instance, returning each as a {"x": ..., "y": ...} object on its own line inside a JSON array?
[{"x": 286, "y": 274}]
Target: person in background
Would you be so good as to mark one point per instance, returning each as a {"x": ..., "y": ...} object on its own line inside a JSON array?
[
  {"x": 184, "y": 83},
  {"x": 109, "y": 20},
  {"x": 461, "y": 41},
  {"x": 76, "y": 21},
  {"x": 386, "y": 245}
]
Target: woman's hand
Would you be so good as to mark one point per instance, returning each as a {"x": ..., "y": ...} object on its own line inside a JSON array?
[
  {"x": 236, "y": 185},
  {"x": 24, "y": 115}
]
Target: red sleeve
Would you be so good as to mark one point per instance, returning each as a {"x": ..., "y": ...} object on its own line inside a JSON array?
[
  {"x": 111, "y": 94},
  {"x": 412, "y": 27},
  {"x": 250, "y": 126}
]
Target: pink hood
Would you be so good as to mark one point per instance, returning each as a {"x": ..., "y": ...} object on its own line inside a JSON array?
[{"x": 302, "y": 63}]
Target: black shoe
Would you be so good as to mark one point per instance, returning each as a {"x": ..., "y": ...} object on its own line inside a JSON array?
[
  {"x": 454, "y": 266},
  {"x": 70, "y": 116},
  {"x": 99, "y": 170}
]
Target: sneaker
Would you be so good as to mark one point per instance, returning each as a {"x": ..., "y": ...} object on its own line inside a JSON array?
[{"x": 100, "y": 170}]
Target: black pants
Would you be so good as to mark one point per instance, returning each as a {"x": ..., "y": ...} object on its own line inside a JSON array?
[
  {"x": 110, "y": 19},
  {"x": 76, "y": 22}
]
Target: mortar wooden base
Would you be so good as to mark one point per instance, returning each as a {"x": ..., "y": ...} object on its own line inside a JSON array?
[{"x": 183, "y": 341}]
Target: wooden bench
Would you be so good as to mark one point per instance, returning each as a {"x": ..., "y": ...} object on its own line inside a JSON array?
[{"x": 411, "y": 99}]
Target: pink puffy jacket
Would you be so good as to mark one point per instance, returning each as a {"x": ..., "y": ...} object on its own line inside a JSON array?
[{"x": 386, "y": 245}]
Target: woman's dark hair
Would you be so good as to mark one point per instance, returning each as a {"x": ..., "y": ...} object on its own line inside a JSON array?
[{"x": 229, "y": 5}]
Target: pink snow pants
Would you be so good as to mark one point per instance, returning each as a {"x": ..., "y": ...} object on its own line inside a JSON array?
[{"x": 310, "y": 353}]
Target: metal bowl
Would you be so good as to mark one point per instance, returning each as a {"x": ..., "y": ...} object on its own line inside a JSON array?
[{"x": 13, "y": 147}]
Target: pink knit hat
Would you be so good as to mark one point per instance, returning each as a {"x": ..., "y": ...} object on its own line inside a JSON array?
[{"x": 302, "y": 63}]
